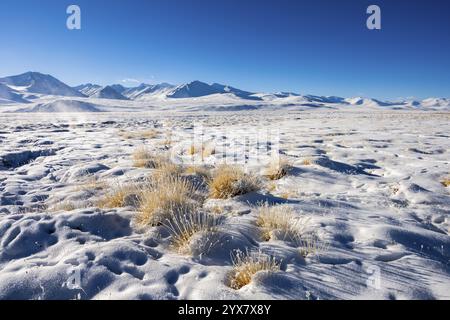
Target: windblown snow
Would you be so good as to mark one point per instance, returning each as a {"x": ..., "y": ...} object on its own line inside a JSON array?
[{"x": 370, "y": 179}]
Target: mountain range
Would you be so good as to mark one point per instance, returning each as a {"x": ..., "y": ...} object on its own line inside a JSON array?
[{"x": 29, "y": 86}]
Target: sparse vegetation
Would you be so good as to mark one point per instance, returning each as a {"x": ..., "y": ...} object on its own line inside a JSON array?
[
  {"x": 307, "y": 162},
  {"x": 184, "y": 226},
  {"x": 201, "y": 171},
  {"x": 144, "y": 134},
  {"x": 162, "y": 197},
  {"x": 143, "y": 158},
  {"x": 446, "y": 182},
  {"x": 311, "y": 245},
  {"x": 246, "y": 265},
  {"x": 230, "y": 181},
  {"x": 120, "y": 195},
  {"x": 277, "y": 169},
  {"x": 281, "y": 219}
]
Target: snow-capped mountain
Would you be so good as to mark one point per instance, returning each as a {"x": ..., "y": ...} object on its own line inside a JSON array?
[
  {"x": 96, "y": 91},
  {"x": 144, "y": 91},
  {"x": 35, "y": 82},
  {"x": 9, "y": 95},
  {"x": 119, "y": 88},
  {"x": 108, "y": 93},
  {"x": 39, "y": 90},
  {"x": 88, "y": 89},
  {"x": 193, "y": 89}
]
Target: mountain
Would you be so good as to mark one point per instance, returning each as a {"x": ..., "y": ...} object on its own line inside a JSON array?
[
  {"x": 108, "y": 93},
  {"x": 35, "y": 82},
  {"x": 147, "y": 90},
  {"x": 119, "y": 88},
  {"x": 325, "y": 99},
  {"x": 436, "y": 102},
  {"x": 87, "y": 89},
  {"x": 8, "y": 95},
  {"x": 237, "y": 92},
  {"x": 96, "y": 91},
  {"x": 193, "y": 90}
]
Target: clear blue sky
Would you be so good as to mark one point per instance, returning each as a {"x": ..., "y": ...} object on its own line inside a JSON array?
[{"x": 316, "y": 47}]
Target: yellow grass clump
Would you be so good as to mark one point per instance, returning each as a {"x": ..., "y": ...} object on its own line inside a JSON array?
[
  {"x": 164, "y": 196},
  {"x": 281, "y": 219},
  {"x": 183, "y": 226},
  {"x": 246, "y": 265},
  {"x": 277, "y": 169},
  {"x": 230, "y": 181},
  {"x": 120, "y": 195},
  {"x": 201, "y": 171},
  {"x": 143, "y": 158},
  {"x": 446, "y": 182},
  {"x": 144, "y": 134}
]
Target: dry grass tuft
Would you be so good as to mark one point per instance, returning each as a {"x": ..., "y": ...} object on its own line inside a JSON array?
[
  {"x": 230, "y": 181},
  {"x": 205, "y": 150},
  {"x": 277, "y": 169},
  {"x": 92, "y": 184},
  {"x": 246, "y": 265},
  {"x": 144, "y": 134},
  {"x": 307, "y": 162},
  {"x": 201, "y": 171},
  {"x": 119, "y": 196},
  {"x": 164, "y": 196},
  {"x": 143, "y": 158},
  {"x": 281, "y": 219},
  {"x": 184, "y": 226},
  {"x": 311, "y": 245},
  {"x": 446, "y": 182}
]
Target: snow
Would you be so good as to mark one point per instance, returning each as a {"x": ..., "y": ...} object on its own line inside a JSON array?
[
  {"x": 371, "y": 189},
  {"x": 36, "y": 82},
  {"x": 61, "y": 106},
  {"x": 367, "y": 175}
]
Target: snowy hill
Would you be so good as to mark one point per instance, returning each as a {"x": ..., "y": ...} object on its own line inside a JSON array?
[
  {"x": 8, "y": 95},
  {"x": 62, "y": 106},
  {"x": 35, "y": 82}
]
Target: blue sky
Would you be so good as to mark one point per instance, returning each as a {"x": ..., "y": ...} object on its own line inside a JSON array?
[{"x": 317, "y": 47}]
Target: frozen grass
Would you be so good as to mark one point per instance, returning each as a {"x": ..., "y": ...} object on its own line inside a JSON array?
[
  {"x": 311, "y": 245},
  {"x": 205, "y": 150},
  {"x": 280, "y": 219},
  {"x": 230, "y": 181},
  {"x": 183, "y": 226},
  {"x": 120, "y": 195},
  {"x": 277, "y": 169},
  {"x": 162, "y": 197},
  {"x": 63, "y": 206},
  {"x": 144, "y": 134},
  {"x": 446, "y": 182},
  {"x": 246, "y": 265},
  {"x": 201, "y": 171},
  {"x": 143, "y": 158},
  {"x": 92, "y": 184}
]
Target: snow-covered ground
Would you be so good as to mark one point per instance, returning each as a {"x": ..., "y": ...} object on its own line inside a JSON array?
[{"x": 366, "y": 178}]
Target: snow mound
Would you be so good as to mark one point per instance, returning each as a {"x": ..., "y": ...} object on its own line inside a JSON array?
[{"x": 63, "y": 106}]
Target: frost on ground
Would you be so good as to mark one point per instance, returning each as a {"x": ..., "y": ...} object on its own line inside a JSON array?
[{"x": 368, "y": 190}]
